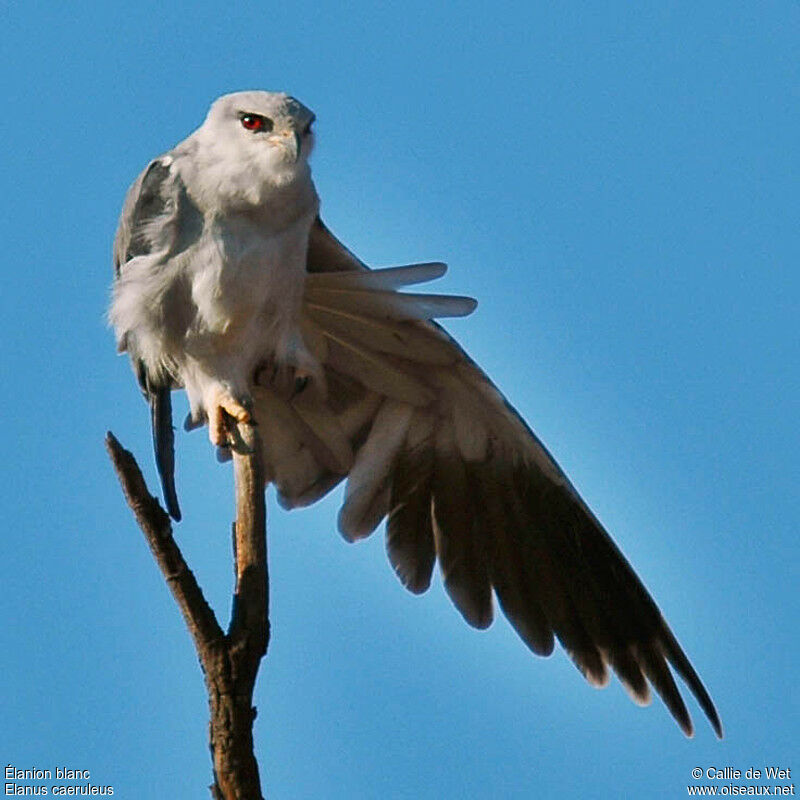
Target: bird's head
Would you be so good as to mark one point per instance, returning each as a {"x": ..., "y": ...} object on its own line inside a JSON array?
[{"x": 257, "y": 140}]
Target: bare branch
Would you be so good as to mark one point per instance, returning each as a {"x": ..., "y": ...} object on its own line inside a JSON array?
[
  {"x": 157, "y": 529},
  {"x": 250, "y": 617},
  {"x": 230, "y": 662},
  {"x": 231, "y": 690}
]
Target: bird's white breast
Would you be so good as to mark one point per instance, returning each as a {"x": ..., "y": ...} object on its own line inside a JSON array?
[{"x": 247, "y": 286}]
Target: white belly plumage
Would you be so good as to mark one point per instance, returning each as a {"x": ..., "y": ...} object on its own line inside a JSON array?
[{"x": 247, "y": 290}]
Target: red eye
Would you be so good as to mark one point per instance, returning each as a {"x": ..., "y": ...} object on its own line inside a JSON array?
[
  {"x": 255, "y": 122},
  {"x": 252, "y": 122}
]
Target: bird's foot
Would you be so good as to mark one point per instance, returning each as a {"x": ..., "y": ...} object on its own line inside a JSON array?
[{"x": 225, "y": 407}]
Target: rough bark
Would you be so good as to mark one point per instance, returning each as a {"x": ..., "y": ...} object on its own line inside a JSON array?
[{"x": 229, "y": 661}]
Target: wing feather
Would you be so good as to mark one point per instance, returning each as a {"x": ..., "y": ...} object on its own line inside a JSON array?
[
  {"x": 463, "y": 480},
  {"x": 409, "y": 529},
  {"x": 501, "y": 526},
  {"x": 375, "y": 371},
  {"x": 459, "y": 546},
  {"x": 384, "y": 304},
  {"x": 655, "y": 668},
  {"x": 367, "y": 484},
  {"x": 389, "y": 278},
  {"x": 399, "y": 338},
  {"x": 157, "y": 220}
]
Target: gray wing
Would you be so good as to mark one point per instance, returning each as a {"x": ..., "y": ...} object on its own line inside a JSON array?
[
  {"x": 437, "y": 450},
  {"x": 147, "y": 201},
  {"x": 327, "y": 254},
  {"x": 157, "y": 218}
]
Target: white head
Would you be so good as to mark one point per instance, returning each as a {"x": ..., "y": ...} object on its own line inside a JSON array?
[{"x": 254, "y": 142}]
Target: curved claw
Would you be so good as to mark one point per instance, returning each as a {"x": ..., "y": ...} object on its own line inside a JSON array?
[{"x": 192, "y": 423}]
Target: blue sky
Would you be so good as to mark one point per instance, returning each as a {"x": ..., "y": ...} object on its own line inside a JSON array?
[{"x": 617, "y": 184}]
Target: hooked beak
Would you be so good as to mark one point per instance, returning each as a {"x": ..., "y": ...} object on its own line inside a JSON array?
[{"x": 296, "y": 145}]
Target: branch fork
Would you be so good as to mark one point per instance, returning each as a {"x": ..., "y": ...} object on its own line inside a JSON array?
[{"x": 230, "y": 661}]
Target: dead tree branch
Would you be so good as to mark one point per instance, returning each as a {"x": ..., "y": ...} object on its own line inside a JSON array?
[{"x": 230, "y": 661}]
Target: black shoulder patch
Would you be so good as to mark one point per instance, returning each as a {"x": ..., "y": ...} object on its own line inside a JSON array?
[{"x": 151, "y": 202}]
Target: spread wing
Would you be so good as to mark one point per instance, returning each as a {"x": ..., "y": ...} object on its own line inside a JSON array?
[
  {"x": 429, "y": 443},
  {"x": 157, "y": 222}
]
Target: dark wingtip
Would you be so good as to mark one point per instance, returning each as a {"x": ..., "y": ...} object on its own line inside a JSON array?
[
  {"x": 171, "y": 499},
  {"x": 716, "y": 722},
  {"x": 164, "y": 445},
  {"x": 684, "y": 668},
  {"x": 686, "y": 726}
]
